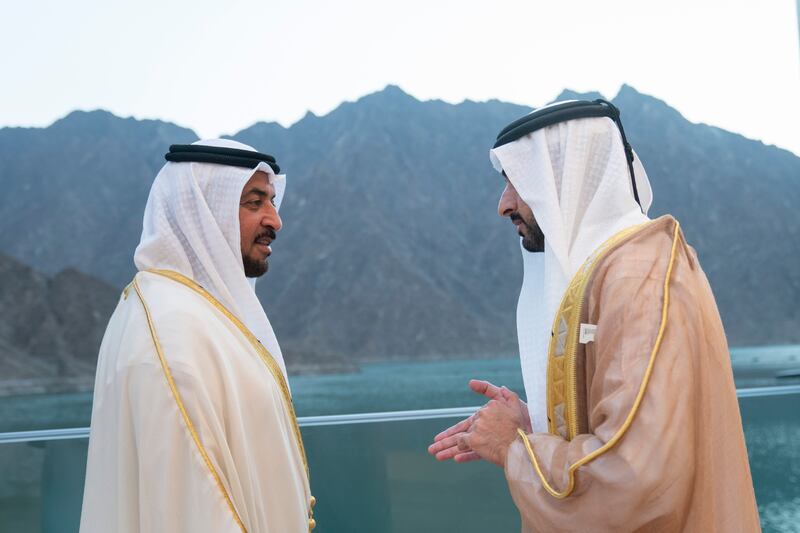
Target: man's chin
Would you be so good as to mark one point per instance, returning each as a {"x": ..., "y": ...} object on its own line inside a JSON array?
[
  {"x": 533, "y": 243},
  {"x": 254, "y": 268}
]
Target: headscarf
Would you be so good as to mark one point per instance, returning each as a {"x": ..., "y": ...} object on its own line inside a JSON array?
[
  {"x": 191, "y": 226},
  {"x": 574, "y": 177}
]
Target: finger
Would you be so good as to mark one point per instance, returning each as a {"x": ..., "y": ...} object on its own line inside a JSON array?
[
  {"x": 447, "y": 442},
  {"x": 449, "y": 453},
  {"x": 463, "y": 442},
  {"x": 466, "y": 457},
  {"x": 457, "y": 428},
  {"x": 484, "y": 387},
  {"x": 508, "y": 394}
]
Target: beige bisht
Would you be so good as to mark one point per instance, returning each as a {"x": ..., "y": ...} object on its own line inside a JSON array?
[
  {"x": 636, "y": 425},
  {"x": 193, "y": 428}
]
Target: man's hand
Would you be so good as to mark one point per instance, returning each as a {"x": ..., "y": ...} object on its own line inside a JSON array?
[
  {"x": 493, "y": 430},
  {"x": 508, "y": 396},
  {"x": 445, "y": 445}
]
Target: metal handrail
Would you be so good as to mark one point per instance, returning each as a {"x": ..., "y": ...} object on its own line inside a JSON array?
[
  {"x": 754, "y": 392},
  {"x": 353, "y": 418}
]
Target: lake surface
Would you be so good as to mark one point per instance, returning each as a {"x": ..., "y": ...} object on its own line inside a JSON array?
[
  {"x": 378, "y": 477},
  {"x": 390, "y": 386}
]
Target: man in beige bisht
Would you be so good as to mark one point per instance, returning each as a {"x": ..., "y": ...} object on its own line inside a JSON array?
[
  {"x": 632, "y": 422},
  {"x": 193, "y": 428}
]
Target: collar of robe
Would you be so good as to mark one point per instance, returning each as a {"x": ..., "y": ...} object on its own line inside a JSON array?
[
  {"x": 199, "y": 153},
  {"x": 562, "y": 112}
]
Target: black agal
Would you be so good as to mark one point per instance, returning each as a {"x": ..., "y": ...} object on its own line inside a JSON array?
[{"x": 198, "y": 153}]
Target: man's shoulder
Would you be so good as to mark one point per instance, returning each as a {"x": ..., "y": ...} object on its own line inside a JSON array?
[
  {"x": 653, "y": 240},
  {"x": 189, "y": 329},
  {"x": 648, "y": 252},
  {"x": 175, "y": 305}
]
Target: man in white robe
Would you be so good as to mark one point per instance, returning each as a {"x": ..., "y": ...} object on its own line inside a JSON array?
[{"x": 193, "y": 428}]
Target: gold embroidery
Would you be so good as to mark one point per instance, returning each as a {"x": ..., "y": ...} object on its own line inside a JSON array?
[
  {"x": 562, "y": 394},
  {"x": 631, "y": 414},
  {"x": 182, "y": 408}
]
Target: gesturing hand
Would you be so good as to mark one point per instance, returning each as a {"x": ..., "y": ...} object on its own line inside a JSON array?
[
  {"x": 446, "y": 443},
  {"x": 492, "y": 432}
]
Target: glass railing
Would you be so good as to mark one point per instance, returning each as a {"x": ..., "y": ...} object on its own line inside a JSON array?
[{"x": 371, "y": 472}]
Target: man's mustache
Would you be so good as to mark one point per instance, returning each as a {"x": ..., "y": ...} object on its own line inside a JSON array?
[{"x": 269, "y": 233}]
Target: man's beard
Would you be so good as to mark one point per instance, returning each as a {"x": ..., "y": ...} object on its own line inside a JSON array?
[
  {"x": 533, "y": 238},
  {"x": 253, "y": 268}
]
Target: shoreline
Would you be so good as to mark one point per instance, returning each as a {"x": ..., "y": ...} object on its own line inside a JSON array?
[{"x": 753, "y": 366}]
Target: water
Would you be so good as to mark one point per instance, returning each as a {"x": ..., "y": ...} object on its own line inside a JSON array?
[
  {"x": 378, "y": 477},
  {"x": 376, "y": 387},
  {"x": 401, "y": 386},
  {"x": 391, "y": 386}
]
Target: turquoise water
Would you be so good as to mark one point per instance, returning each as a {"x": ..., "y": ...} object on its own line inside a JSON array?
[
  {"x": 434, "y": 384},
  {"x": 378, "y": 477},
  {"x": 376, "y": 387},
  {"x": 391, "y": 386}
]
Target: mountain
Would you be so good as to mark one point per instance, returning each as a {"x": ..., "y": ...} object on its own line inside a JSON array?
[
  {"x": 391, "y": 245},
  {"x": 74, "y": 193},
  {"x": 50, "y": 328},
  {"x": 737, "y": 201}
]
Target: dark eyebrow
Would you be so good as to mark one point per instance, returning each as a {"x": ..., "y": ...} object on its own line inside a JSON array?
[{"x": 258, "y": 192}]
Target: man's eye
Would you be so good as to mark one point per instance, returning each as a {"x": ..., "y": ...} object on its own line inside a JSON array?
[{"x": 253, "y": 203}]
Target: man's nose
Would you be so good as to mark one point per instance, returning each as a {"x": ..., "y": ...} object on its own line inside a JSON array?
[
  {"x": 273, "y": 219},
  {"x": 508, "y": 202}
]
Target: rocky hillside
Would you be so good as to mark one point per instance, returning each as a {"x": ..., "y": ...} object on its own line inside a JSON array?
[
  {"x": 391, "y": 246},
  {"x": 50, "y": 328}
]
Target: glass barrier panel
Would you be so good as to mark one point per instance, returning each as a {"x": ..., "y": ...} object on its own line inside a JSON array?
[{"x": 378, "y": 477}]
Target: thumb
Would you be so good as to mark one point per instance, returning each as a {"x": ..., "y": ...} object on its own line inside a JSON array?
[{"x": 484, "y": 387}]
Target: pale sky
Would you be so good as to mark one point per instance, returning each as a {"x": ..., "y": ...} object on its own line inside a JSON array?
[{"x": 219, "y": 66}]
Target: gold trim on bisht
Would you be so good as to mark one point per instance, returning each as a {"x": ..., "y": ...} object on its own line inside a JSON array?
[
  {"x": 562, "y": 393},
  {"x": 184, "y": 414},
  {"x": 561, "y": 388},
  {"x": 265, "y": 356}
]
